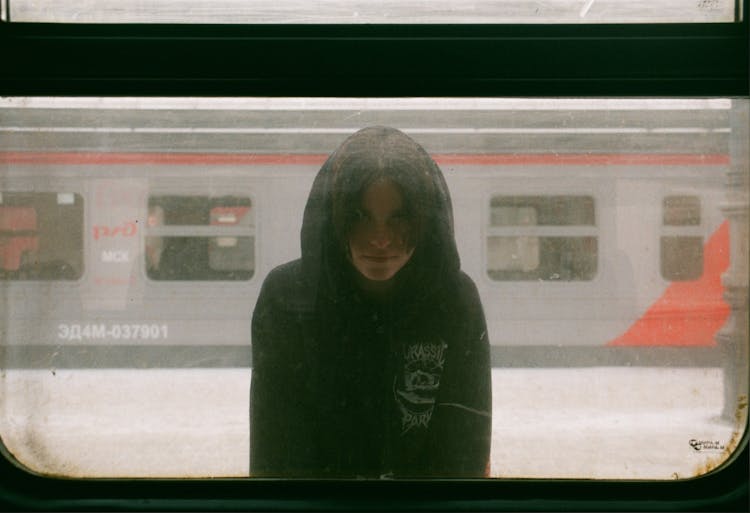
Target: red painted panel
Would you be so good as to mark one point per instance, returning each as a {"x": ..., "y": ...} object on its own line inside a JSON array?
[
  {"x": 17, "y": 219},
  {"x": 688, "y": 313},
  {"x": 14, "y": 221},
  {"x": 12, "y": 250}
]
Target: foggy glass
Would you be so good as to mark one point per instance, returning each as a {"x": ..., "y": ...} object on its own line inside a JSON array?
[{"x": 607, "y": 238}]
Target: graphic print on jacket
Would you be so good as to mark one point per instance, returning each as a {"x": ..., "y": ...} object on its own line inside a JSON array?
[{"x": 415, "y": 389}]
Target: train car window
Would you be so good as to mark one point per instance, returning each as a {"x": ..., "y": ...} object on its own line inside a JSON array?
[
  {"x": 41, "y": 236},
  {"x": 200, "y": 238},
  {"x": 531, "y": 238},
  {"x": 177, "y": 225},
  {"x": 363, "y": 11},
  {"x": 682, "y": 248},
  {"x": 606, "y": 239}
]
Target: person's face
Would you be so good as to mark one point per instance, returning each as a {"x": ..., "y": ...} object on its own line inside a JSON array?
[{"x": 379, "y": 241}]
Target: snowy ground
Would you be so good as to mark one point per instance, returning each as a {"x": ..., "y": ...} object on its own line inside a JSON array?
[{"x": 624, "y": 423}]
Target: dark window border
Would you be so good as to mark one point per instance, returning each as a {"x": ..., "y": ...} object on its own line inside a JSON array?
[
  {"x": 376, "y": 60},
  {"x": 722, "y": 491},
  {"x": 529, "y": 61}
]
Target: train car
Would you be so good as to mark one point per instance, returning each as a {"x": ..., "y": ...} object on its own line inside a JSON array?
[
  {"x": 576, "y": 244},
  {"x": 137, "y": 234},
  {"x": 571, "y": 250}
]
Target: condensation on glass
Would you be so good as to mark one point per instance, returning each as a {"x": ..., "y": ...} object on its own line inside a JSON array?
[
  {"x": 384, "y": 11},
  {"x": 608, "y": 239}
]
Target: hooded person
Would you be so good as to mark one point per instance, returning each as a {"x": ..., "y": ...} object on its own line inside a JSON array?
[{"x": 370, "y": 352}]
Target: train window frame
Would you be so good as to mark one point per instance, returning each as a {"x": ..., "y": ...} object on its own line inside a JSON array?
[
  {"x": 22, "y": 188},
  {"x": 653, "y": 61},
  {"x": 681, "y": 233},
  {"x": 689, "y": 60},
  {"x": 591, "y": 231},
  {"x": 576, "y": 187},
  {"x": 215, "y": 192}
]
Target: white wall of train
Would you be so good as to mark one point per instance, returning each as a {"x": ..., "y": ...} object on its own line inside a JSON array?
[{"x": 565, "y": 249}]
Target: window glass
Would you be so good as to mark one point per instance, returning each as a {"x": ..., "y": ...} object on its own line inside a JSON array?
[
  {"x": 682, "y": 211},
  {"x": 41, "y": 236},
  {"x": 200, "y": 238},
  {"x": 606, "y": 239},
  {"x": 681, "y": 258},
  {"x": 547, "y": 257},
  {"x": 681, "y": 245},
  {"x": 363, "y": 11}
]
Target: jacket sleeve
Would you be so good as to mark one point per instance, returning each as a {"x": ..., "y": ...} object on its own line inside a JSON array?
[
  {"x": 278, "y": 425},
  {"x": 463, "y": 410}
]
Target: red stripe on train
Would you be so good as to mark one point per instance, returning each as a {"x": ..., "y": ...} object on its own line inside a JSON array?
[
  {"x": 688, "y": 313},
  {"x": 82, "y": 158},
  {"x": 158, "y": 158}
]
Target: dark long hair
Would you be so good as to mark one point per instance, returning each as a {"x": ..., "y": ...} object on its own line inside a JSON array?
[
  {"x": 366, "y": 156},
  {"x": 379, "y": 153}
]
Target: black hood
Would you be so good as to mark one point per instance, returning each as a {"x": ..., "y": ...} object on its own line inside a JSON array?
[
  {"x": 324, "y": 258},
  {"x": 352, "y": 384}
]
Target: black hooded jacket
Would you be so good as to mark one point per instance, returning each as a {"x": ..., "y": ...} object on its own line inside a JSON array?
[{"x": 346, "y": 386}]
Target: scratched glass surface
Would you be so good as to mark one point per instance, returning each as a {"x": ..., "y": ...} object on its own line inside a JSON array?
[
  {"x": 607, "y": 238},
  {"x": 382, "y": 12}
]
